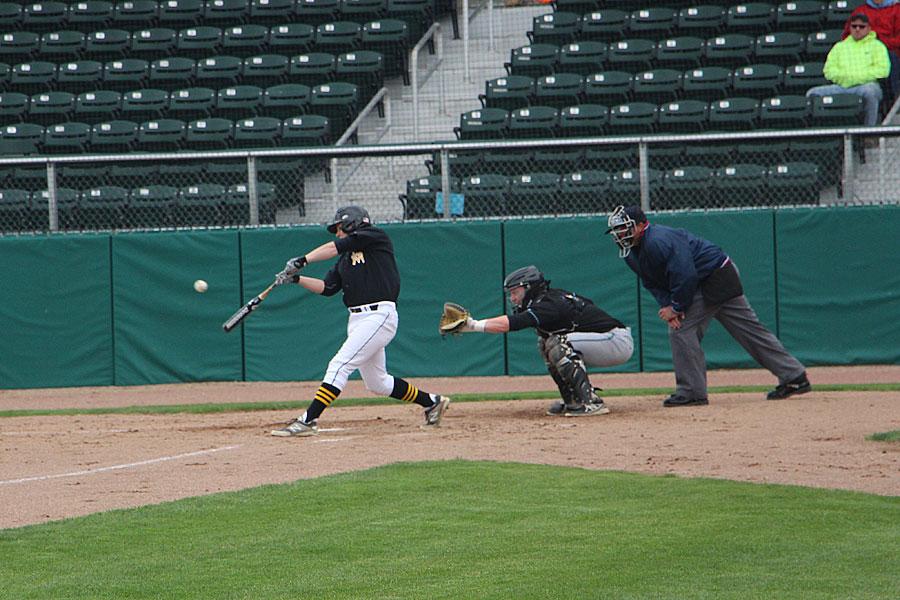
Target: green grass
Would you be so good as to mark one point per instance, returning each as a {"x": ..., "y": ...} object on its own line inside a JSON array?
[
  {"x": 287, "y": 405},
  {"x": 472, "y": 530},
  {"x": 885, "y": 436}
]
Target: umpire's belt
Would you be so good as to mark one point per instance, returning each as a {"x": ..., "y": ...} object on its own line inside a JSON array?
[{"x": 363, "y": 308}]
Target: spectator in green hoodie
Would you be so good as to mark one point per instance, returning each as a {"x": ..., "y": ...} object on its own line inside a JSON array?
[{"x": 855, "y": 65}]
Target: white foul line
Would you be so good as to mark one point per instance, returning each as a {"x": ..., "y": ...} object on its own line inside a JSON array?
[{"x": 118, "y": 467}]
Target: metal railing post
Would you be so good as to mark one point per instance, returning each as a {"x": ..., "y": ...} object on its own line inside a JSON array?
[
  {"x": 445, "y": 181},
  {"x": 332, "y": 165},
  {"x": 644, "y": 175},
  {"x": 847, "y": 180},
  {"x": 465, "y": 31},
  {"x": 490, "y": 4},
  {"x": 252, "y": 193},
  {"x": 52, "y": 202},
  {"x": 433, "y": 32}
]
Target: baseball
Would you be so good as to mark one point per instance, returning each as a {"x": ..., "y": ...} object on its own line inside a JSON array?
[{"x": 200, "y": 286}]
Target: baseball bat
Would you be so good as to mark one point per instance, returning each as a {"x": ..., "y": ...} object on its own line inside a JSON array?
[{"x": 246, "y": 309}]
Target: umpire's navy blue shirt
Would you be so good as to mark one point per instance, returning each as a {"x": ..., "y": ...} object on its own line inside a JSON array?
[{"x": 672, "y": 262}]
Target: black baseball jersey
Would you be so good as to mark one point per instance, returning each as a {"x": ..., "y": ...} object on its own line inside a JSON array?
[
  {"x": 560, "y": 311},
  {"x": 365, "y": 269}
]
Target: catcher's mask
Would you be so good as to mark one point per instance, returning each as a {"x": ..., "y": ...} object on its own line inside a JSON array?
[
  {"x": 622, "y": 225},
  {"x": 529, "y": 277},
  {"x": 350, "y": 218}
]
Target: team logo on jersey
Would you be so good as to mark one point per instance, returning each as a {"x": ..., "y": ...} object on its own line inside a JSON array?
[{"x": 357, "y": 258}]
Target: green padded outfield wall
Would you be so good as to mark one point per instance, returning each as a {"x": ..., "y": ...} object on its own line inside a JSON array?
[
  {"x": 55, "y": 311},
  {"x": 745, "y": 236},
  {"x": 839, "y": 284},
  {"x": 573, "y": 254},
  {"x": 164, "y": 330}
]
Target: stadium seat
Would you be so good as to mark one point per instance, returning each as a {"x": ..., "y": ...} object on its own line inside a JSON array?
[
  {"x": 679, "y": 52},
  {"x": 33, "y": 77},
  {"x": 265, "y": 69},
  {"x": 508, "y": 93},
  {"x": 236, "y": 206},
  {"x": 134, "y": 14},
  {"x": 603, "y": 25},
  {"x": 556, "y": 28},
  {"x": 363, "y": 11},
  {"x": 125, "y": 74},
  {"x": 286, "y": 100},
  {"x": 338, "y": 101},
  {"x": 483, "y": 124},
  {"x": 632, "y": 55},
  {"x": 291, "y": 38},
  {"x": 557, "y": 160},
  {"x": 785, "y": 112},
  {"x": 146, "y": 104},
  {"x": 837, "y": 12},
  {"x": 114, "y": 136},
  {"x": 19, "y": 46},
  {"x": 793, "y": 183},
  {"x": 706, "y": 83},
  {"x": 532, "y": 61},
  {"x": 162, "y": 135},
  {"x": 419, "y": 199},
  {"x": 585, "y": 192},
  {"x": 199, "y": 205},
  {"x": 841, "y": 110},
  {"x": 225, "y": 12},
  {"x": 462, "y": 164},
  {"x": 244, "y": 40},
  {"x": 484, "y": 194},
  {"x": 190, "y": 104},
  {"x": 90, "y": 15},
  {"x": 107, "y": 44},
  {"x": 417, "y": 14},
  {"x": 576, "y": 6},
  {"x": 44, "y": 16},
  {"x": 533, "y": 122},
  {"x": 583, "y": 57},
  {"x": 239, "y": 102},
  {"x": 701, "y": 21},
  {"x": 734, "y": 114},
  {"x": 179, "y": 14},
  {"x": 660, "y": 85},
  {"x": 316, "y": 12},
  {"x": 800, "y": 77},
  {"x": 271, "y": 11},
  {"x": 683, "y": 116},
  {"x": 338, "y": 37},
  {"x": 13, "y": 107},
  {"x": 14, "y": 207},
  {"x": 729, "y": 49},
  {"x": 625, "y": 187},
  {"x": 633, "y": 118},
  {"x": 153, "y": 43},
  {"x": 10, "y": 16},
  {"x": 799, "y": 15},
  {"x": 312, "y": 69},
  {"x": 151, "y": 206},
  {"x": 198, "y": 42},
  {"x": 49, "y": 108},
  {"x": 511, "y": 162},
  {"x": 825, "y": 152},
  {"x": 608, "y": 87},
  {"x": 781, "y": 48},
  {"x": 753, "y": 18},
  {"x": 583, "y": 120},
  {"x": 533, "y": 194},
  {"x": 819, "y": 43},
  {"x": 101, "y": 207},
  {"x": 364, "y": 68},
  {"x": 70, "y": 137},
  {"x": 757, "y": 80},
  {"x": 652, "y": 22},
  {"x": 173, "y": 72},
  {"x": 306, "y": 130},
  {"x": 218, "y": 71},
  {"x": 21, "y": 138},
  {"x": 61, "y": 46},
  {"x": 739, "y": 185},
  {"x": 684, "y": 187},
  {"x": 258, "y": 132},
  {"x": 80, "y": 76},
  {"x": 66, "y": 204},
  {"x": 558, "y": 90},
  {"x": 391, "y": 38}
]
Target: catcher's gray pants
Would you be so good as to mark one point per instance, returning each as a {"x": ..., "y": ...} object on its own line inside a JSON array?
[
  {"x": 739, "y": 319},
  {"x": 607, "y": 349}
]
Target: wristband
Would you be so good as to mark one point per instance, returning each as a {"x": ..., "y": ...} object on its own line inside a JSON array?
[{"x": 477, "y": 325}]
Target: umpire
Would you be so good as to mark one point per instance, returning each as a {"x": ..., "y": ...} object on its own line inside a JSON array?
[{"x": 694, "y": 281}]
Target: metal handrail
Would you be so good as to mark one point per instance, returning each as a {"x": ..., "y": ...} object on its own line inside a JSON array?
[{"x": 434, "y": 32}]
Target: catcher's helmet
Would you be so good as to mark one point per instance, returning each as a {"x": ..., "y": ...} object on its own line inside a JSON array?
[
  {"x": 622, "y": 223},
  {"x": 350, "y": 218},
  {"x": 531, "y": 278}
]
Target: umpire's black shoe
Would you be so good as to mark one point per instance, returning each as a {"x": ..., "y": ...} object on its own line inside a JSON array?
[
  {"x": 677, "y": 400},
  {"x": 799, "y": 385}
]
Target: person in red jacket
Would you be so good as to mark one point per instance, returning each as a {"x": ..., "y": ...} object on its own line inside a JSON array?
[{"x": 884, "y": 17}]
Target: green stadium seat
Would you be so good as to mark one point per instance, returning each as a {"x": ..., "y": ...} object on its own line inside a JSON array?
[
  {"x": 173, "y": 72},
  {"x": 21, "y": 138},
  {"x": 291, "y": 38},
  {"x": 151, "y": 206},
  {"x": 625, "y": 187},
  {"x": 700, "y": 21},
  {"x": 584, "y": 57},
  {"x": 10, "y": 16},
  {"x": 125, "y": 74},
  {"x": 66, "y": 204},
  {"x": 312, "y": 69},
  {"x": 729, "y": 49},
  {"x": 840, "y": 110},
  {"x": 209, "y": 134},
  {"x": 706, "y": 83},
  {"x": 483, "y": 124},
  {"x": 161, "y": 135},
  {"x": 683, "y": 116},
  {"x": 190, "y": 104},
  {"x": 508, "y": 93},
  {"x": 199, "y": 205},
  {"x": 532, "y": 61},
  {"x": 363, "y": 11},
  {"x": 19, "y": 46},
  {"x": 364, "y": 68},
  {"x": 258, "y": 132},
  {"x": 611, "y": 157},
  {"x": 785, "y": 112},
  {"x": 680, "y": 52},
  {"x": 825, "y": 152},
  {"x": 218, "y": 71},
  {"x": 757, "y": 80},
  {"x": 557, "y": 28},
  {"x": 533, "y": 194},
  {"x": 734, "y": 114},
  {"x": 49, "y": 108},
  {"x": 240, "y": 101},
  {"x": 198, "y": 42},
  {"x": 316, "y": 12},
  {"x": 608, "y": 87},
  {"x": 153, "y": 43},
  {"x": 286, "y": 100},
  {"x": 819, "y": 43},
  {"x": 134, "y": 14},
  {"x": 753, "y": 18},
  {"x": 338, "y": 101},
  {"x": 557, "y": 160},
  {"x": 780, "y": 47},
  {"x": 391, "y": 38},
  {"x": 107, "y": 44},
  {"x": 61, "y": 46},
  {"x": 236, "y": 206},
  {"x": 583, "y": 120},
  {"x": 80, "y": 76},
  {"x": 90, "y": 15},
  {"x": 417, "y": 14},
  {"x": 13, "y": 107},
  {"x": 44, "y": 16},
  {"x": 179, "y": 14},
  {"x": 511, "y": 162},
  {"x": 585, "y": 192},
  {"x": 271, "y": 11},
  {"x": 306, "y": 130},
  {"x": 33, "y": 77},
  {"x": 659, "y": 85},
  {"x": 14, "y": 208},
  {"x": 837, "y": 12},
  {"x": 484, "y": 195},
  {"x": 71, "y": 137},
  {"x": 576, "y": 6},
  {"x": 419, "y": 201},
  {"x": 247, "y": 39},
  {"x": 652, "y": 22},
  {"x": 145, "y": 104},
  {"x": 739, "y": 185},
  {"x": 265, "y": 69},
  {"x": 633, "y": 118},
  {"x": 800, "y": 77},
  {"x": 102, "y": 207},
  {"x": 603, "y": 25},
  {"x": 225, "y": 12},
  {"x": 684, "y": 187},
  {"x": 533, "y": 122},
  {"x": 799, "y": 15},
  {"x": 793, "y": 183},
  {"x": 462, "y": 164},
  {"x": 558, "y": 90},
  {"x": 338, "y": 37},
  {"x": 114, "y": 136},
  {"x": 633, "y": 55}
]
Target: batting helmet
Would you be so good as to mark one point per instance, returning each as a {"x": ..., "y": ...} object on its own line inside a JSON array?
[
  {"x": 622, "y": 223},
  {"x": 531, "y": 278},
  {"x": 350, "y": 218}
]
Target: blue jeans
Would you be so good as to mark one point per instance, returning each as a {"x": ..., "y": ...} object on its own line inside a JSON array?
[{"x": 870, "y": 92}]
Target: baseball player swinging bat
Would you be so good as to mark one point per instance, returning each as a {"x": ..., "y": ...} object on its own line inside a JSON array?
[{"x": 246, "y": 309}]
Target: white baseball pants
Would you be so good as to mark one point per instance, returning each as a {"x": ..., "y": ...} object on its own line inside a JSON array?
[{"x": 369, "y": 330}]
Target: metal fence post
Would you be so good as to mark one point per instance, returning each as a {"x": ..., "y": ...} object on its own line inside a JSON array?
[
  {"x": 445, "y": 181},
  {"x": 847, "y": 181},
  {"x": 465, "y": 32},
  {"x": 252, "y": 193},
  {"x": 644, "y": 175},
  {"x": 52, "y": 203}
]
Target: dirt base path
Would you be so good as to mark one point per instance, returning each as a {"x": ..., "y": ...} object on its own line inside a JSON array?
[{"x": 58, "y": 467}]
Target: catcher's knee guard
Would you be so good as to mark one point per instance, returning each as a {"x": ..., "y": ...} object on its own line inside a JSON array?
[
  {"x": 563, "y": 359},
  {"x": 566, "y": 392}
]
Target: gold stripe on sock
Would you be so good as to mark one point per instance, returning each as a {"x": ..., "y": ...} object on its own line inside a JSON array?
[
  {"x": 410, "y": 394},
  {"x": 324, "y": 396}
]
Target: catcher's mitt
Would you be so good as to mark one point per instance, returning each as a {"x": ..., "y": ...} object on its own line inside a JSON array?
[{"x": 453, "y": 319}]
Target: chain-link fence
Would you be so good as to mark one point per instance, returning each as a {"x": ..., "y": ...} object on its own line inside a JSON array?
[{"x": 483, "y": 179}]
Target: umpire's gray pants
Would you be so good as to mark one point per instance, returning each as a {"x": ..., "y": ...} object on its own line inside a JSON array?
[{"x": 739, "y": 319}]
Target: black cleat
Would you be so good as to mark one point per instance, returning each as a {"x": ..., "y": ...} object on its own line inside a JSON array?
[
  {"x": 800, "y": 385},
  {"x": 676, "y": 400}
]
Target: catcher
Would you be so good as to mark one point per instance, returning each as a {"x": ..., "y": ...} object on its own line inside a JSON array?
[{"x": 572, "y": 333}]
